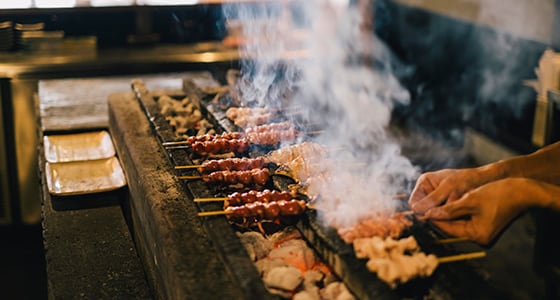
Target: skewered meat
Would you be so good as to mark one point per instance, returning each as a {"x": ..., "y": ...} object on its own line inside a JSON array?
[
  {"x": 392, "y": 226},
  {"x": 254, "y": 120},
  {"x": 250, "y": 116},
  {"x": 220, "y": 146},
  {"x": 236, "y": 142},
  {"x": 233, "y": 113},
  {"x": 305, "y": 150},
  {"x": 401, "y": 268},
  {"x": 265, "y": 196},
  {"x": 382, "y": 248},
  {"x": 267, "y": 211},
  {"x": 301, "y": 169},
  {"x": 211, "y": 137},
  {"x": 183, "y": 115},
  {"x": 232, "y": 164},
  {"x": 395, "y": 261},
  {"x": 249, "y": 177},
  {"x": 285, "y": 125},
  {"x": 272, "y": 137}
]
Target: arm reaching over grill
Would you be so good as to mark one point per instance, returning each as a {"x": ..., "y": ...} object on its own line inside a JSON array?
[
  {"x": 482, "y": 214},
  {"x": 435, "y": 188}
]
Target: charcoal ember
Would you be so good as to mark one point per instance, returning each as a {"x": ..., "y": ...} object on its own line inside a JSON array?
[
  {"x": 284, "y": 278},
  {"x": 336, "y": 290},
  {"x": 313, "y": 278},
  {"x": 285, "y": 235},
  {"x": 267, "y": 264},
  {"x": 295, "y": 253},
  {"x": 256, "y": 244},
  {"x": 308, "y": 295}
]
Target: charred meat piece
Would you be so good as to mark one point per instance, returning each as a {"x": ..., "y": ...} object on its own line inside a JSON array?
[
  {"x": 285, "y": 125},
  {"x": 380, "y": 226},
  {"x": 211, "y": 137},
  {"x": 265, "y": 196},
  {"x": 218, "y": 146},
  {"x": 273, "y": 137},
  {"x": 249, "y": 177},
  {"x": 267, "y": 211},
  {"x": 232, "y": 164}
]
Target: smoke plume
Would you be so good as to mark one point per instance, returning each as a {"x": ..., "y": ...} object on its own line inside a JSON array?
[{"x": 337, "y": 73}]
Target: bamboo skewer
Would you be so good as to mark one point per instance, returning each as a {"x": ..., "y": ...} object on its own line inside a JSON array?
[
  {"x": 186, "y": 143},
  {"x": 187, "y": 167},
  {"x": 316, "y": 132},
  {"x": 451, "y": 240},
  {"x": 213, "y": 213},
  {"x": 189, "y": 177},
  {"x": 178, "y": 143},
  {"x": 217, "y": 199},
  {"x": 400, "y": 196},
  {"x": 214, "y": 199},
  {"x": 464, "y": 256}
]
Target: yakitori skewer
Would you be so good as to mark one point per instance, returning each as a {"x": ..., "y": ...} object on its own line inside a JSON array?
[
  {"x": 451, "y": 240},
  {"x": 238, "y": 198},
  {"x": 464, "y": 256},
  {"x": 228, "y": 164},
  {"x": 261, "y": 210},
  {"x": 248, "y": 177},
  {"x": 218, "y": 199},
  {"x": 270, "y": 137}
]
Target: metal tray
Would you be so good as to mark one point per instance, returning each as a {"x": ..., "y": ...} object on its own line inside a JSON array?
[
  {"x": 84, "y": 177},
  {"x": 78, "y": 146}
]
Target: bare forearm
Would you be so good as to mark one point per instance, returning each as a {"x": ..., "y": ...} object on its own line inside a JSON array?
[
  {"x": 542, "y": 165},
  {"x": 545, "y": 195}
]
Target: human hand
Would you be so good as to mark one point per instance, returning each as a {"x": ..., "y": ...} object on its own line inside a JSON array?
[
  {"x": 482, "y": 214},
  {"x": 434, "y": 188}
]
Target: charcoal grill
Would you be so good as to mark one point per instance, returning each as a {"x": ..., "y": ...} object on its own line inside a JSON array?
[{"x": 190, "y": 257}]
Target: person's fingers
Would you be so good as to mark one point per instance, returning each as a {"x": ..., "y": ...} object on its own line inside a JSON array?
[
  {"x": 454, "y": 196},
  {"x": 458, "y": 228},
  {"x": 423, "y": 187},
  {"x": 451, "y": 210},
  {"x": 433, "y": 199}
]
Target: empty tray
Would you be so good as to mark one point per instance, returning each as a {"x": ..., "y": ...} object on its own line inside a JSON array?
[
  {"x": 78, "y": 146},
  {"x": 84, "y": 177}
]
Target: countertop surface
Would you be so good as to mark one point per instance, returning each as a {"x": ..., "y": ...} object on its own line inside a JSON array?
[
  {"x": 27, "y": 63},
  {"x": 89, "y": 250}
]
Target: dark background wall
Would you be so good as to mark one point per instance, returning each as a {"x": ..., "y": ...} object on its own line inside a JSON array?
[
  {"x": 461, "y": 74},
  {"x": 111, "y": 26}
]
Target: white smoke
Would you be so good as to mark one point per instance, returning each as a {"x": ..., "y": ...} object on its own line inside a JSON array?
[{"x": 339, "y": 87}]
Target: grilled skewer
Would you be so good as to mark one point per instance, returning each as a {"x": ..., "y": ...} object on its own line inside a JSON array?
[
  {"x": 228, "y": 164},
  {"x": 261, "y": 211},
  {"x": 238, "y": 198},
  {"x": 248, "y": 177}
]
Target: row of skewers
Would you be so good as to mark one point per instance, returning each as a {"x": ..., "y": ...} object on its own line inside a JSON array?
[{"x": 302, "y": 162}]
